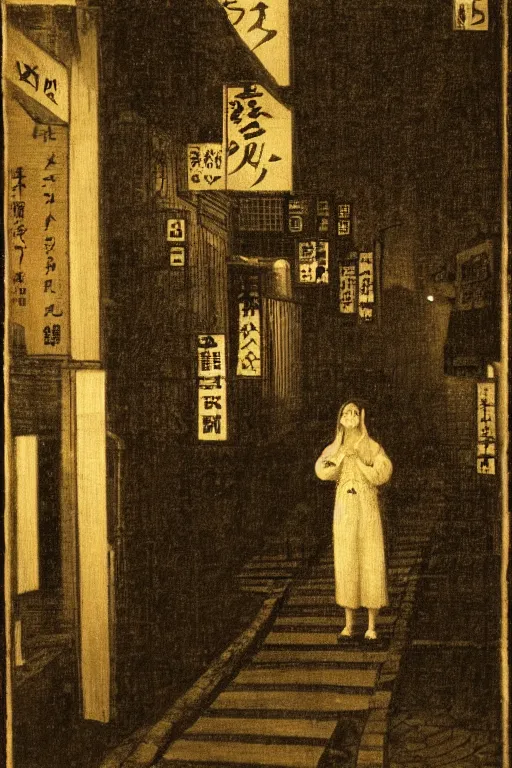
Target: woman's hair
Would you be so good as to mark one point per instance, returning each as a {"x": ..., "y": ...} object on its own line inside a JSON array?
[{"x": 339, "y": 435}]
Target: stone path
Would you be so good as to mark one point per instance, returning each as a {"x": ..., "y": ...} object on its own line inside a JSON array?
[{"x": 285, "y": 706}]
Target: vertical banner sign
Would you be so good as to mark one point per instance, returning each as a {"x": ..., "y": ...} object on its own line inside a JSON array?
[
  {"x": 366, "y": 286},
  {"x": 257, "y": 140},
  {"x": 343, "y": 219},
  {"x": 486, "y": 428},
  {"x": 314, "y": 262},
  {"x": 205, "y": 167},
  {"x": 211, "y": 367},
  {"x": 297, "y": 211},
  {"x": 249, "y": 329},
  {"x": 322, "y": 216},
  {"x": 176, "y": 232},
  {"x": 475, "y": 277},
  {"x": 38, "y": 232},
  {"x": 348, "y": 288},
  {"x": 264, "y": 28},
  {"x": 471, "y": 15}
]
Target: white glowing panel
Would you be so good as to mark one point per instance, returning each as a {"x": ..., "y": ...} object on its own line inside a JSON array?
[
  {"x": 84, "y": 234},
  {"x": 92, "y": 544},
  {"x": 27, "y": 535}
]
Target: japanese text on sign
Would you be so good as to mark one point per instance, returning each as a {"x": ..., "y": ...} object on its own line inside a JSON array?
[
  {"x": 343, "y": 219},
  {"x": 176, "y": 230},
  {"x": 257, "y": 140},
  {"x": 366, "y": 288},
  {"x": 205, "y": 164},
  {"x": 314, "y": 261},
  {"x": 475, "y": 277},
  {"x": 211, "y": 367},
  {"x": 471, "y": 15},
  {"x": 249, "y": 330},
  {"x": 38, "y": 224},
  {"x": 486, "y": 428},
  {"x": 264, "y": 28},
  {"x": 348, "y": 288},
  {"x": 38, "y": 76}
]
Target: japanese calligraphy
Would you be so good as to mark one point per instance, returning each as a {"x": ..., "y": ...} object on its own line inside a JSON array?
[
  {"x": 18, "y": 235},
  {"x": 38, "y": 228},
  {"x": 348, "y": 289},
  {"x": 175, "y": 230},
  {"x": 211, "y": 364},
  {"x": 264, "y": 28},
  {"x": 257, "y": 140},
  {"x": 314, "y": 261},
  {"x": 206, "y": 167},
  {"x": 472, "y": 15},
  {"x": 249, "y": 330},
  {"x": 37, "y": 75},
  {"x": 366, "y": 288},
  {"x": 343, "y": 219},
  {"x": 486, "y": 428}
]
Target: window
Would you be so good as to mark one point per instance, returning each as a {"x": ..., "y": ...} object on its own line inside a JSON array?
[{"x": 261, "y": 214}]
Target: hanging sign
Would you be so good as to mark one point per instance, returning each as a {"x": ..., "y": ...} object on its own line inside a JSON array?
[
  {"x": 471, "y": 15},
  {"x": 249, "y": 329},
  {"x": 343, "y": 219},
  {"x": 314, "y": 262},
  {"x": 37, "y": 218},
  {"x": 212, "y": 387},
  {"x": 475, "y": 270},
  {"x": 486, "y": 428},
  {"x": 348, "y": 288},
  {"x": 264, "y": 27},
  {"x": 257, "y": 140},
  {"x": 205, "y": 167},
  {"x": 366, "y": 286},
  {"x": 40, "y": 82}
]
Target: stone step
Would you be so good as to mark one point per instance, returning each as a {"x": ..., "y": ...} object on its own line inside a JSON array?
[
  {"x": 356, "y": 678},
  {"x": 262, "y": 565},
  {"x": 291, "y": 701},
  {"x": 328, "y": 655},
  {"x": 218, "y": 752},
  {"x": 283, "y": 727},
  {"x": 330, "y": 621}
]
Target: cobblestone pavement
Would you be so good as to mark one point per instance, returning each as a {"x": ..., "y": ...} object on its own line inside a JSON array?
[{"x": 438, "y": 740}]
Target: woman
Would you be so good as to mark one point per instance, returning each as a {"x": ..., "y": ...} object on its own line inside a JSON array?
[{"x": 358, "y": 464}]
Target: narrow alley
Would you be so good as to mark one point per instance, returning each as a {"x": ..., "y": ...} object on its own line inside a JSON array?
[{"x": 256, "y": 383}]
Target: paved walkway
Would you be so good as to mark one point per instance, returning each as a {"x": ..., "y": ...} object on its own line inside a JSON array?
[{"x": 287, "y": 706}]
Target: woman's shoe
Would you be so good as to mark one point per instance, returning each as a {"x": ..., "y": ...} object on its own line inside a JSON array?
[
  {"x": 344, "y": 635},
  {"x": 370, "y": 634}
]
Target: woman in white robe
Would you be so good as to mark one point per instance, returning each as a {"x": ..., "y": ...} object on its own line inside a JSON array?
[{"x": 358, "y": 465}]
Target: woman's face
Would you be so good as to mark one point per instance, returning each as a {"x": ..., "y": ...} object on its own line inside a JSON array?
[{"x": 350, "y": 417}]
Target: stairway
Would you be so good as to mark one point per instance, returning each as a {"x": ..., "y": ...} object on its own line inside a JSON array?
[{"x": 283, "y": 707}]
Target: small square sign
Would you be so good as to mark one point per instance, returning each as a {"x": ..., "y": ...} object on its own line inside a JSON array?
[
  {"x": 177, "y": 256},
  {"x": 176, "y": 230}
]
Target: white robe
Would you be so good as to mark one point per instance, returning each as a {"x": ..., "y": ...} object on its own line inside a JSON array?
[{"x": 359, "y": 557}]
